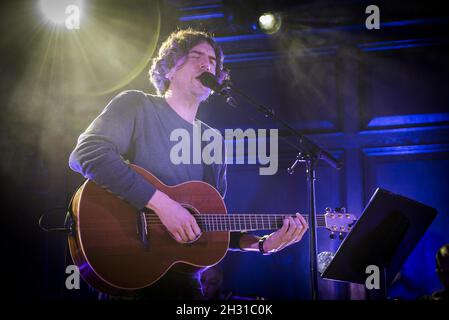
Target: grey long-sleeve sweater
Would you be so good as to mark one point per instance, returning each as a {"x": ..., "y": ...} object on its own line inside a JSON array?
[{"x": 136, "y": 127}]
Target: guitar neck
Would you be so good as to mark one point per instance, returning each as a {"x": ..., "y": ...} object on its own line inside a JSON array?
[
  {"x": 246, "y": 222},
  {"x": 243, "y": 222}
]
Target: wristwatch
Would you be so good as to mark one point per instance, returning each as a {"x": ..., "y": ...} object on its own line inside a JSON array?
[{"x": 261, "y": 241}]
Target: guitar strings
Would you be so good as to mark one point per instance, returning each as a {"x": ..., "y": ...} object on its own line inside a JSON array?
[
  {"x": 227, "y": 218},
  {"x": 220, "y": 219},
  {"x": 231, "y": 217}
]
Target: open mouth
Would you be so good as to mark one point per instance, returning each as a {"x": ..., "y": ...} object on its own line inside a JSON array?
[{"x": 200, "y": 83}]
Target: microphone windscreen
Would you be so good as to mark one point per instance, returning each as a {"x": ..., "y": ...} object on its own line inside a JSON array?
[{"x": 208, "y": 80}]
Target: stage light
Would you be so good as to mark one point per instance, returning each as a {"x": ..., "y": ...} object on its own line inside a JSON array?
[
  {"x": 56, "y": 10},
  {"x": 270, "y": 22},
  {"x": 96, "y": 46}
]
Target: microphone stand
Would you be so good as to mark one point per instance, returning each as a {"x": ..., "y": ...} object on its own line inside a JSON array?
[{"x": 309, "y": 153}]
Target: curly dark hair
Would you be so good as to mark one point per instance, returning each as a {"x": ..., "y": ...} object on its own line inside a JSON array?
[{"x": 178, "y": 45}]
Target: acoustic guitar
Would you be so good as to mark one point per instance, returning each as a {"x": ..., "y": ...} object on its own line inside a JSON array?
[{"x": 119, "y": 249}]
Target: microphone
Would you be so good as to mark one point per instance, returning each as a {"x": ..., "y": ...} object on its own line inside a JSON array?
[{"x": 208, "y": 80}]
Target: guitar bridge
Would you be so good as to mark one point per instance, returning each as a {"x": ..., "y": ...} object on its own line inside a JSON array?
[{"x": 142, "y": 229}]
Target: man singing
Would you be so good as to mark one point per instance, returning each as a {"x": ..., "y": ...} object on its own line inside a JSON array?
[{"x": 135, "y": 127}]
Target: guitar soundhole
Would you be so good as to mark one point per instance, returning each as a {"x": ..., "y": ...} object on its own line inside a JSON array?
[{"x": 194, "y": 211}]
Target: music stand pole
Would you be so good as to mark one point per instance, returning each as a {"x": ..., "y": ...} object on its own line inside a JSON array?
[{"x": 311, "y": 178}]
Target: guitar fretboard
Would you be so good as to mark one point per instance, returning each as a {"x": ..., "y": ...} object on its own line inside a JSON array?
[{"x": 240, "y": 222}]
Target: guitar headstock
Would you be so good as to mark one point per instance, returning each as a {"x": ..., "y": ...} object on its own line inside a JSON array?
[{"x": 337, "y": 220}]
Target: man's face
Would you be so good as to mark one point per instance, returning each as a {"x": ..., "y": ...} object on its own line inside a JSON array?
[{"x": 184, "y": 74}]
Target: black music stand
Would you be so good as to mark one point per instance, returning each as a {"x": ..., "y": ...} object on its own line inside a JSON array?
[{"x": 385, "y": 234}]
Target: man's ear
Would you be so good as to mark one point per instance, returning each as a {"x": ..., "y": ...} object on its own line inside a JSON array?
[{"x": 169, "y": 75}]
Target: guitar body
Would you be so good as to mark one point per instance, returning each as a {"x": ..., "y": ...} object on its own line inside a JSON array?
[{"x": 108, "y": 251}]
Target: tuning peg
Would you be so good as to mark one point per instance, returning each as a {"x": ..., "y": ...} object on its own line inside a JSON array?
[
  {"x": 340, "y": 236},
  {"x": 340, "y": 210},
  {"x": 332, "y": 235},
  {"x": 328, "y": 210}
]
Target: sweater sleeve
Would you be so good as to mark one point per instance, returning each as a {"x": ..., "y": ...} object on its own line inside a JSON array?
[
  {"x": 98, "y": 153},
  {"x": 234, "y": 243}
]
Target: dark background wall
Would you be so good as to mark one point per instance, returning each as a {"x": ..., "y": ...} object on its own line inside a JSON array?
[{"x": 377, "y": 99}]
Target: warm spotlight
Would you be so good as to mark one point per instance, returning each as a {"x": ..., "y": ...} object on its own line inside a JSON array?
[
  {"x": 56, "y": 11},
  {"x": 98, "y": 46},
  {"x": 270, "y": 22}
]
